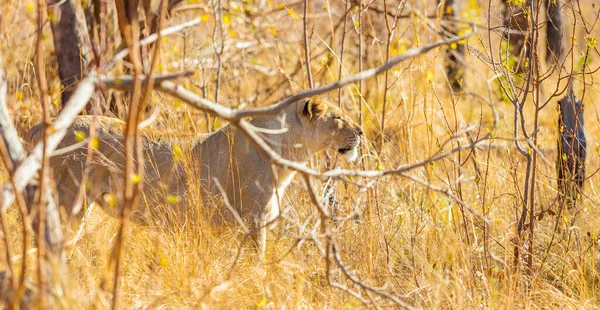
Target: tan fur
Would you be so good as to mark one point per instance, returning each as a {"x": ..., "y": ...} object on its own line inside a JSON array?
[{"x": 224, "y": 157}]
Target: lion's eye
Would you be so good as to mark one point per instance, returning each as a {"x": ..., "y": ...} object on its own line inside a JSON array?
[{"x": 338, "y": 118}]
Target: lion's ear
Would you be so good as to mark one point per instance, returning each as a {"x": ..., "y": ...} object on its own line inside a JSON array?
[{"x": 314, "y": 107}]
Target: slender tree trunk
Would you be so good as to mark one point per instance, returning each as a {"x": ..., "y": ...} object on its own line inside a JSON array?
[
  {"x": 71, "y": 43},
  {"x": 572, "y": 146},
  {"x": 516, "y": 29},
  {"x": 455, "y": 66},
  {"x": 554, "y": 32}
]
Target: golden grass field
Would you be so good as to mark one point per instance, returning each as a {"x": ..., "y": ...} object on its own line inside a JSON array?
[{"x": 409, "y": 241}]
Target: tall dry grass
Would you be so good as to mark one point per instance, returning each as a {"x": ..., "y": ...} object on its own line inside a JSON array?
[{"x": 406, "y": 239}]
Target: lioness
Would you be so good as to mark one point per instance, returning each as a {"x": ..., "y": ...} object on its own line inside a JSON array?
[{"x": 224, "y": 162}]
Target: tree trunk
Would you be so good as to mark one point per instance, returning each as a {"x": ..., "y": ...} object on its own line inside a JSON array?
[
  {"x": 572, "y": 146},
  {"x": 554, "y": 32},
  {"x": 455, "y": 66},
  {"x": 71, "y": 43},
  {"x": 516, "y": 30}
]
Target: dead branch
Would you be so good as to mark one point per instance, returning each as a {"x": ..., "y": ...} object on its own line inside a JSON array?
[
  {"x": 361, "y": 284},
  {"x": 235, "y": 117},
  {"x": 411, "y": 53},
  {"x": 7, "y": 128},
  {"x": 220, "y": 111},
  {"x": 29, "y": 166},
  {"x": 126, "y": 82},
  {"x": 151, "y": 38},
  {"x": 232, "y": 115}
]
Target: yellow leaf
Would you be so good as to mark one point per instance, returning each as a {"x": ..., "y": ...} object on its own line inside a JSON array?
[
  {"x": 356, "y": 24},
  {"x": 79, "y": 136},
  {"x": 430, "y": 76},
  {"x": 226, "y": 20},
  {"x": 204, "y": 18},
  {"x": 173, "y": 199},
  {"x": 448, "y": 10},
  {"x": 29, "y": 8},
  {"x": 177, "y": 153},
  {"x": 110, "y": 199},
  {"x": 398, "y": 47},
  {"x": 232, "y": 33},
  {"x": 293, "y": 14},
  {"x": 262, "y": 302},
  {"x": 19, "y": 95},
  {"x": 217, "y": 124},
  {"x": 164, "y": 262},
  {"x": 135, "y": 178},
  {"x": 51, "y": 16},
  {"x": 94, "y": 143}
]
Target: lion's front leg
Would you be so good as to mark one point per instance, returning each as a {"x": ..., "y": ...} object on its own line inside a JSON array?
[
  {"x": 258, "y": 237},
  {"x": 256, "y": 215}
]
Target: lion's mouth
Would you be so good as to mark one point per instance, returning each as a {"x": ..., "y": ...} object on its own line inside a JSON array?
[
  {"x": 350, "y": 149},
  {"x": 349, "y": 153}
]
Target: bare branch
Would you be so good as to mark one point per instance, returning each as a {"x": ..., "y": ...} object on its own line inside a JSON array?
[
  {"x": 235, "y": 117},
  {"x": 7, "y": 128},
  {"x": 231, "y": 115},
  {"x": 126, "y": 82},
  {"x": 28, "y": 167},
  {"x": 366, "y": 287},
  {"x": 151, "y": 38},
  {"x": 411, "y": 53}
]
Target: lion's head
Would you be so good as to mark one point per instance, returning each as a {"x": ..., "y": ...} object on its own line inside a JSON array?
[{"x": 330, "y": 128}]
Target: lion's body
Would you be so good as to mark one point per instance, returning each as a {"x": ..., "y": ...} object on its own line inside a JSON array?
[{"x": 224, "y": 162}]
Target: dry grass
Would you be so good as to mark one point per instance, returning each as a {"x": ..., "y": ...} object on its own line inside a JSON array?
[{"x": 411, "y": 241}]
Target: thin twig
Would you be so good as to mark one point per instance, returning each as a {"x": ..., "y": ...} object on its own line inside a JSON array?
[
  {"x": 218, "y": 15},
  {"x": 125, "y": 82},
  {"x": 232, "y": 115},
  {"x": 151, "y": 38},
  {"x": 44, "y": 170},
  {"x": 306, "y": 44}
]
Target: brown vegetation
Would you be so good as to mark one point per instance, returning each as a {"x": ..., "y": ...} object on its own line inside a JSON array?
[{"x": 453, "y": 202}]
